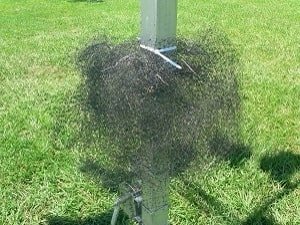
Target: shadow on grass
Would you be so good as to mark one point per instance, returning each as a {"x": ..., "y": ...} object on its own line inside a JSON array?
[
  {"x": 235, "y": 153},
  {"x": 211, "y": 205},
  {"x": 205, "y": 202},
  {"x": 261, "y": 214},
  {"x": 260, "y": 219},
  {"x": 102, "y": 219},
  {"x": 281, "y": 166},
  {"x": 110, "y": 179}
]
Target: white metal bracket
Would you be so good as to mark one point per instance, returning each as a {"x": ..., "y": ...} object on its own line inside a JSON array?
[{"x": 159, "y": 52}]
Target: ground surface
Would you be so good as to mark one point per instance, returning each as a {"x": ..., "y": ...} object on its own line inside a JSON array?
[{"x": 40, "y": 177}]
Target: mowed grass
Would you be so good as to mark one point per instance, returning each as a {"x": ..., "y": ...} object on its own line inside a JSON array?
[{"x": 40, "y": 155}]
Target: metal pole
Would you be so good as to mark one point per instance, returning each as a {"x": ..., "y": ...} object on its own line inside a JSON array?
[
  {"x": 158, "y": 23},
  {"x": 155, "y": 186},
  {"x": 158, "y": 34},
  {"x": 155, "y": 207}
]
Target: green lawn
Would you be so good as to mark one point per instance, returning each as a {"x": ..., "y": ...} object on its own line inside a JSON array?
[{"x": 40, "y": 156}]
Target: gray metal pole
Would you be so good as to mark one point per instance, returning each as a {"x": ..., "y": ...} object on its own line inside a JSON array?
[
  {"x": 155, "y": 208},
  {"x": 155, "y": 187},
  {"x": 158, "y": 32},
  {"x": 158, "y": 23}
]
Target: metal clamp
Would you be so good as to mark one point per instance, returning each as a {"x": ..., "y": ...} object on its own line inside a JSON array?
[{"x": 133, "y": 194}]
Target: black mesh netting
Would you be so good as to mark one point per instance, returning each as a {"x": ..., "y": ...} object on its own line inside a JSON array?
[{"x": 160, "y": 119}]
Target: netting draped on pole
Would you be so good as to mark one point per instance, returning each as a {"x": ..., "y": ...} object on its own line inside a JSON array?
[
  {"x": 159, "y": 119},
  {"x": 162, "y": 102}
]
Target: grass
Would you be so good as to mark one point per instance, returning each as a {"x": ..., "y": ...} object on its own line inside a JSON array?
[{"x": 40, "y": 177}]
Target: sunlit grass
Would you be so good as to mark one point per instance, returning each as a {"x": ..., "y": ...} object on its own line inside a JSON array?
[{"x": 40, "y": 158}]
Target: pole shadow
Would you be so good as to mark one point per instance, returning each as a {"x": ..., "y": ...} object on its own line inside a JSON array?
[
  {"x": 281, "y": 166},
  {"x": 205, "y": 202}
]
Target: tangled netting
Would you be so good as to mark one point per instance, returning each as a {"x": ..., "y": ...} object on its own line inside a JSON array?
[{"x": 159, "y": 118}]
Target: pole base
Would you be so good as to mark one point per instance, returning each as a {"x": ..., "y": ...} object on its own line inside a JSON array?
[{"x": 158, "y": 217}]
